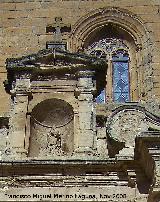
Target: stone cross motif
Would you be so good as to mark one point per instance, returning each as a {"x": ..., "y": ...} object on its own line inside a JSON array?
[{"x": 58, "y": 28}]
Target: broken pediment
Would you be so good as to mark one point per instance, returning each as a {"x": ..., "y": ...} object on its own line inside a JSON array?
[
  {"x": 50, "y": 64},
  {"x": 49, "y": 88},
  {"x": 48, "y": 58}
]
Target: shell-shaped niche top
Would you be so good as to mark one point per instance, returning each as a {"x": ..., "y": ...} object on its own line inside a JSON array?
[{"x": 56, "y": 113}]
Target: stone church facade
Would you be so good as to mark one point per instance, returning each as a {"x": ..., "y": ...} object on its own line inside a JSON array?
[{"x": 80, "y": 100}]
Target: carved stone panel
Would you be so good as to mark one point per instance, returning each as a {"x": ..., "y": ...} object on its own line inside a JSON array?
[{"x": 126, "y": 124}]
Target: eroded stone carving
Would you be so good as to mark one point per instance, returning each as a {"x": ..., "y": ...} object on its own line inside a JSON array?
[
  {"x": 126, "y": 124},
  {"x": 58, "y": 28},
  {"x": 54, "y": 142},
  {"x": 51, "y": 129}
]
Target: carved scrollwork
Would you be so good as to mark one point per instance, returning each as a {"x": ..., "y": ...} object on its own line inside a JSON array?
[{"x": 126, "y": 124}]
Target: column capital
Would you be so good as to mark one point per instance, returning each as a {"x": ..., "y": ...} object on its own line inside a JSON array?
[
  {"x": 21, "y": 87},
  {"x": 85, "y": 83}
]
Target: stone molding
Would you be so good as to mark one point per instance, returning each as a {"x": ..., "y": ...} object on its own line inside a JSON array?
[
  {"x": 141, "y": 43},
  {"x": 97, "y": 18}
]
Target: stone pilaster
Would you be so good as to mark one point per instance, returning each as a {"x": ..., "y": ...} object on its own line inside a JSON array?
[
  {"x": 85, "y": 138},
  {"x": 18, "y": 118},
  {"x": 102, "y": 141}
]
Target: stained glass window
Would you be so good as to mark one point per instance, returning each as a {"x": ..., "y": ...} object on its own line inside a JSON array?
[
  {"x": 115, "y": 50},
  {"x": 121, "y": 77},
  {"x": 101, "y": 97}
]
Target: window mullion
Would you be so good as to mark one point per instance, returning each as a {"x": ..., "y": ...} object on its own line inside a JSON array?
[{"x": 109, "y": 82}]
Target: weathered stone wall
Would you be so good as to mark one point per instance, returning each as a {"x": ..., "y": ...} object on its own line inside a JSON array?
[{"x": 23, "y": 28}]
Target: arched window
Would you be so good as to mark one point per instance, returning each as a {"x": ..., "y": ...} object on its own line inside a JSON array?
[
  {"x": 120, "y": 78},
  {"x": 117, "y": 55}
]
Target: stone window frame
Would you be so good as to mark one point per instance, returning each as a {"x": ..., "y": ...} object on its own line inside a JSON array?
[
  {"x": 107, "y": 48},
  {"x": 141, "y": 49}
]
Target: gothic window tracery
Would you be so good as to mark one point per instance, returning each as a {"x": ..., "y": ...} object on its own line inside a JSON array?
[{"x": 117, "y": 54}]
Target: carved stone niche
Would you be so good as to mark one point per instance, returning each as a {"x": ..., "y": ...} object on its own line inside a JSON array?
[
  {"x": 52, "y": 129},
  {"x": 53, "y": 75}
]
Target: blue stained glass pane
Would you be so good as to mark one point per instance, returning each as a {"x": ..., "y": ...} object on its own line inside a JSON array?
[
  {"x": 121, "y": 84},
  {"x": 125, "y": 78},
  {"x": 121, "y": 97},
  {"x": 101, "y": 97},
  {"x": 117, "y": 89},
  {"x": 120, "y": 80},
  {"x": 121, "y": 68},
  {"x": 120, "y": 56},
  {"x": 116, "y": 96},
  {"x": 126, "y": 88}
]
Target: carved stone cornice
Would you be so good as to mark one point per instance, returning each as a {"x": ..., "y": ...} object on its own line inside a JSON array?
[
  {"x": 53, "y": 58},
  {"x": 49, "y": 64}
]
